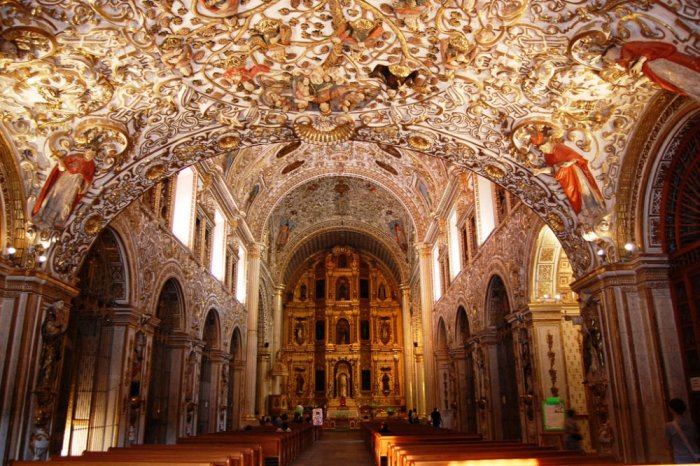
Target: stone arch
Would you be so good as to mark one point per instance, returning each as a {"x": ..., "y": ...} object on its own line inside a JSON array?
[
  {"x": 269, "y": 202},
  {"x": 171, "y": 272},
  {"x": 645, "y": 164},
  {"x": 550, "y": 270},
  {"x": 12, "y": 200},
  {"x": 504, "y": 390},
  {"x": 680, "y": 240},
  {"x": 235, "y": 379},
  {"x": 442, "y": 342},
  {"x": 462, "y": 328},
  {"x": 103, "y": 287},
  {"x": 466, "y": 381},
  {"x": 211, "y": 361},
  {"x": 168, "y": 361},
  {"x": 384, "y": 250}
]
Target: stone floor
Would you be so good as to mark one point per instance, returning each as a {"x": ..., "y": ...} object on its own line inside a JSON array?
[{"x": 336, "y": 448}]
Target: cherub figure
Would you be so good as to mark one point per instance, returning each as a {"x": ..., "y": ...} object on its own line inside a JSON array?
[
  {"x": 271, "y": 37},
  {"x": 360, "y": 33},
  {"x": 457, "y": 51}
]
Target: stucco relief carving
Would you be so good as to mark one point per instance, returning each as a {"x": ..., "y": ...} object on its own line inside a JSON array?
[
  {"x": 156, "y": 258},
  {"x": 188, "y": 84}
]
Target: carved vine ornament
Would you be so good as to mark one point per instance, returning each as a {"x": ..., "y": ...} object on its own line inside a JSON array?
[{"x": 517, "y": 91}]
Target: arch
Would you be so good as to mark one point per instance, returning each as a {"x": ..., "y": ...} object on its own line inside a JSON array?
[
  {"x": 103, "y": 286},
  {"x": 467, "y": 409},
  {"x": 235, "y": 379},
  {"x": 502, "y": 355},
  {"x": 462, "y": 330},
  {"x": 163, "y": 420},
  {"x": 326, "y": 235},
  {"x": 653, "y": 145},
  {"x": 680, "y": 239},
  {"x": 551, "y": 271},
  {"x": 497, "y": 303},
  {"x": 12, "y": 200},
  {"x": 208, "y": 409},
  {"x": 104, "y": 277},
  {"x": 441, "y": 336}
]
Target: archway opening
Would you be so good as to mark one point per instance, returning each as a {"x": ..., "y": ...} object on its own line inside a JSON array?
[
  {"x": 465, "y": 370},
  {"x": 85, "y": 398},
  {"x": 208, "y": 375},
  {"x": 235, "y": 372},
  {"x": 681, "y": 241},
  {"x": 162, "y": 413},
  {"x": 504, "y": 389}
]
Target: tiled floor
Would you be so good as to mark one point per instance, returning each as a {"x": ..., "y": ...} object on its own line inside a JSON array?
[{"x": 336, "y": 448}]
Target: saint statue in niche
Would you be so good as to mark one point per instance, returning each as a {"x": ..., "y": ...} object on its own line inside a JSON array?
[
  {"x": 299, "y": 333},
  {"x": 299, "y": 384},
  {"x": 343, "y": 332},
  {"x": 342, "y": 292},
  {"x": 381, "y": 293},
  {"x": 385, "y": 332},
  {"x": 343, "y": 385},
  {"x": 385, "y": 384}
]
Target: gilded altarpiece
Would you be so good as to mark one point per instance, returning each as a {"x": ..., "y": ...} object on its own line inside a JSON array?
[{"x": 343, "y": 343}]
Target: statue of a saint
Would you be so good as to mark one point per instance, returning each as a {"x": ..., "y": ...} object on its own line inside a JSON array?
[
  {"x": 68, "y": 182},
  {"x": 343, "y": 385}
]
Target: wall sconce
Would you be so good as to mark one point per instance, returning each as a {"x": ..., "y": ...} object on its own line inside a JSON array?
[
  {"x": 10, "y": 252},
  {"x": 601, "y": 254}
]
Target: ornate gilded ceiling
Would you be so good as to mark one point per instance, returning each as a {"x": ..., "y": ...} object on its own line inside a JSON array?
[{"x": 141, "y": 89}]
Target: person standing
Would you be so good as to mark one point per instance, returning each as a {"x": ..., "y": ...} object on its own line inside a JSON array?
[
  {"x": 436, "y": 418},
  {"x": 681, "y": 434},
  {"x": 572, "y": 434}
]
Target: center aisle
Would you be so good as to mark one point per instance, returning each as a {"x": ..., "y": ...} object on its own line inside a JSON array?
[{"x": 336, "y": 448}]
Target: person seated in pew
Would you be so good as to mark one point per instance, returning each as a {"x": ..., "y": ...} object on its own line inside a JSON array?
[
  {"x": 284, "y": 428},
  {"x": 385, "y": 427}
]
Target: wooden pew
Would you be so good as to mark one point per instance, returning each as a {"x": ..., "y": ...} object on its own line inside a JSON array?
[
  {"x": 125, "y": 458},
  {"x": 279, "y": 448},
  {"x": 114, "y": 463},
  {"x": 252, "y": 453}
]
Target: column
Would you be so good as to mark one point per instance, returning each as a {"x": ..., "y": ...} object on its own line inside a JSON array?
[
  {"x": 277, "y": 340},
  {"x": 252, "y": 337},
  {"x": 426, "y": 377},
  {"x": 407, "y": 346},
  {"x": 263, "y": 386},
  {"x": 631, "y": 365},
  {"x": 34, "y": 311}
]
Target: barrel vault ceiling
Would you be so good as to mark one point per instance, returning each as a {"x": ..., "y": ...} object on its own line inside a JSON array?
[{"x": 381, "y": 95}]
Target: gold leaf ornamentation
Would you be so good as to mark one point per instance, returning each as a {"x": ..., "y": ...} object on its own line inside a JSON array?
[
  {"x": 93, "y": 225},
  {"x": 419, "y": 142},
  {"x": 155, "y": 172},
  {"x": 324, "y": 130},
  {"x": 229, "y": 142}
]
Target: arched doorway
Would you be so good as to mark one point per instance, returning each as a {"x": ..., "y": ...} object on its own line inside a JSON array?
[
  {"x": 235, "y": 372},
  {"x": 87, "y": 402},
  {"x": 680, "y": 227},
  {"x": 445, "y": 377},
  {"x": 465, "y": 373},
  {"x": 504, "y": 389},
  {"x": 207, "y": 412},
  {"x": 162, "y": 419}
]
